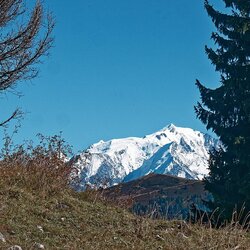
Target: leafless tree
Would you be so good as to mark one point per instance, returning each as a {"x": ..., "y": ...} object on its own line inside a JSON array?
[{"x": 24, "y": 39}]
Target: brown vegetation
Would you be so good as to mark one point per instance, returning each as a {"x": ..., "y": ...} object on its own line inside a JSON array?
[{"x": 39, "y": 207}]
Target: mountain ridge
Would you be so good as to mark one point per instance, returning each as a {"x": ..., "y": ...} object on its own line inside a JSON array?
[{"x": 172, "y": 150}]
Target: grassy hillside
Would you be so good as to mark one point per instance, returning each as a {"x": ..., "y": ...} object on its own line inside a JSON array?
[
  {"x": 34, "y": 212},
  {"x": 38, "y": 210}
]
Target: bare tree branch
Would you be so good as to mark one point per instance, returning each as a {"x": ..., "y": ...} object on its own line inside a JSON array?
[
  {"x": 22, "y": 46},
  {"x": 17, "y": 114}
]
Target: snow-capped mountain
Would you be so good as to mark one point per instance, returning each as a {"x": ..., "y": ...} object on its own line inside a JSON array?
[{"x": 173, "y": 150}]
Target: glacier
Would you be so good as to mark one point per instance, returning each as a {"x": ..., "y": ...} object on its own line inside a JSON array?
[{"x": 173, "y": 150}]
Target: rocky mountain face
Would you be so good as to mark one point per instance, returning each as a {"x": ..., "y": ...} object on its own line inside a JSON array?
[{"x": 181, "y": 152}]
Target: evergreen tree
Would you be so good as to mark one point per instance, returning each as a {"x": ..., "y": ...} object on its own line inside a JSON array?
[{"x": 226, "y": 109}]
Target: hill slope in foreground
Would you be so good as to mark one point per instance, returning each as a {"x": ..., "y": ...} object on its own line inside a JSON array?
[{"x": 36, "y": 213}]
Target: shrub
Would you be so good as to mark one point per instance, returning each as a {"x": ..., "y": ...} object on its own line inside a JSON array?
[{"x": 43, "y": 168}]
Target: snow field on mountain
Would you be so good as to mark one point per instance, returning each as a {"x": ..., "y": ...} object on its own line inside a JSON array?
[{"x": 173, "y": 150}]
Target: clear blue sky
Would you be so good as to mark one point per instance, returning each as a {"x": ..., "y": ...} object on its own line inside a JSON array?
[{"x": 118, "y": 68}]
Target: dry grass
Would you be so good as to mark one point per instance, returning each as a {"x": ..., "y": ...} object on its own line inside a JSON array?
[{"x": 38, "y": 206}]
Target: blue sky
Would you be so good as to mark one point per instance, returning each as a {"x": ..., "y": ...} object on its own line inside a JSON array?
[{"x": 118, "y": 68}]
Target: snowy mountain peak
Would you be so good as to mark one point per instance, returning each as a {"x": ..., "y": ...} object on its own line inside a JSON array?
[
  {"x": 171, "y": 126},
  {"x": 172, "y": 150}
]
